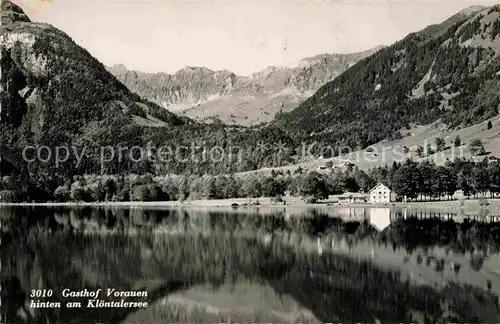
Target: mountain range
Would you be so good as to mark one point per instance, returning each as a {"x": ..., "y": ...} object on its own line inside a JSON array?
[{"x": 204, "y": 94}]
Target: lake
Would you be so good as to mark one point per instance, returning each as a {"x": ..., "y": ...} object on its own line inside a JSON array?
[{"x": 248, "y": 265}]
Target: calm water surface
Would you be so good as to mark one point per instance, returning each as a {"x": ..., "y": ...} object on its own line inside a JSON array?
[{"x": 246, "y": 265}]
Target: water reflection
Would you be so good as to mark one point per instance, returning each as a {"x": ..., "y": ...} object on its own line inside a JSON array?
[{"x": 317, "y": 265}]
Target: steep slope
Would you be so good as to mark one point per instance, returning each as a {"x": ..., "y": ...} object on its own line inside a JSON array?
[
  {"x": 178, "y": 91},
  {"x": 447, "y": 71},
  {"x": 64, "y": 115},
  {"x": 53, "y": 92},
  {"x": 205, "y": 94},
  {"x": 12, "y": 13},
  {"x": 386, "y": 152},
  {"x": 37, "y": 52}
]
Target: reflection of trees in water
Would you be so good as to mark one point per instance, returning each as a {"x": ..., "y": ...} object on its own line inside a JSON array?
[
  {"x": 477, "y": 261},
  {"x": 439, "y": 266},
  {"x": 13, "y": 298},
  {"x": 429, "y": 260},
  {"x": 332, "y": 286},
  {"x": 476, "y": 239},
  {"x": 469, "y": 237},
  {"x": 410, "y": 233}
]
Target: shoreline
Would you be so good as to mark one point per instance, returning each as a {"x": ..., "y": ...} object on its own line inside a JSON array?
[{"x": 471, "y": 205}]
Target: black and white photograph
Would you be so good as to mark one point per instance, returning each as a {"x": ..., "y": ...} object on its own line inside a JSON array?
[{"x": 249, "y": 161}]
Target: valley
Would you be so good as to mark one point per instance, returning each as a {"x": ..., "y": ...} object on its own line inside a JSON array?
[{"x": 364, "y": 111}]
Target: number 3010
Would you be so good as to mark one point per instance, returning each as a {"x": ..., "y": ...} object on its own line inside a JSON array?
[{"x": 41, "y": 293}]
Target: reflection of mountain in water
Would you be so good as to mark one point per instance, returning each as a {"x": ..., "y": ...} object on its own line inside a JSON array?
[
  {"x": 175, "y": 254},
  {"x": 236, "y": 302}
]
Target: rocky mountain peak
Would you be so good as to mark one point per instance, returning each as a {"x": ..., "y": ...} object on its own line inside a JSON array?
[
  {"x": 472, "y": 10},
  {"x": 203, "y": 93},
  {"x": 119, "y": 68},
  {"x": 12, "y": 13},
  {"x": 194, "y": 70}
]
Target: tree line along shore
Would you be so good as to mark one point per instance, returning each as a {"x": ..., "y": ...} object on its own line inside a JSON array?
[{"x": 410, "y": 181}]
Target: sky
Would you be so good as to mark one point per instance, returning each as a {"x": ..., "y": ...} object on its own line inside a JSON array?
[{"x": 242, "y": 36}]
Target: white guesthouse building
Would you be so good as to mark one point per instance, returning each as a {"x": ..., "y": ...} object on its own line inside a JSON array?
[{"x": 380, "y": 194}]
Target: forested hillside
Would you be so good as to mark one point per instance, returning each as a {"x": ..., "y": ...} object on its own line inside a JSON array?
[
  {"x": 56, "y": 96},
  {"x": 409, "y": 180},
  {"x": 447, "y": 71}
]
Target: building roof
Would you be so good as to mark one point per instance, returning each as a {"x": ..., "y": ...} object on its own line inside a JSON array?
[
  {"x": 352, "y": 195},
  {"x": 380, "y": 183}
]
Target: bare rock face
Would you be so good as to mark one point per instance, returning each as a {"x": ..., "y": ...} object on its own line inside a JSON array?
[
  {"x": 11, "y": 13},
  {"x": 205, "y": 94}
]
